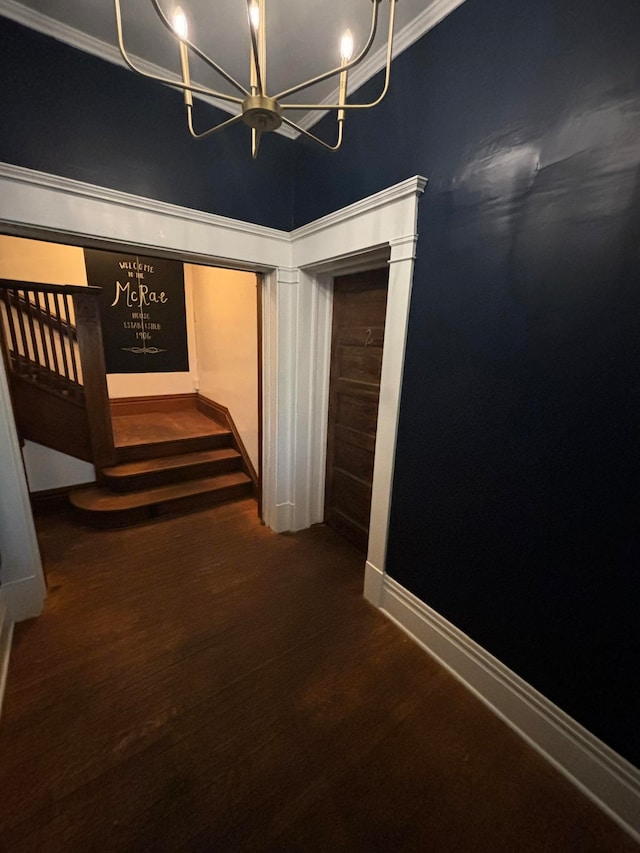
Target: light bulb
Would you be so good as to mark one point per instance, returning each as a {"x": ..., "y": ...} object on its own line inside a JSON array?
[
  {"x": 254, "y": 15},
  {"x": 346, "y": 46},
  {"x": 180, "y": 23}
]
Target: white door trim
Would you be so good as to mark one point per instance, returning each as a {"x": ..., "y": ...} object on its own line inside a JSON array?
[
  {"x": 354, "y": 237},
  {"x": 297, "y": 267}
]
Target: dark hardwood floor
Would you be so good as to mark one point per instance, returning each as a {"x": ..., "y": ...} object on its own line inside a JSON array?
[{"x": 201, "y": 684}]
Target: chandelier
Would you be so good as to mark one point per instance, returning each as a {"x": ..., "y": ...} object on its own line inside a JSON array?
[{"x": 260, "y": 111}]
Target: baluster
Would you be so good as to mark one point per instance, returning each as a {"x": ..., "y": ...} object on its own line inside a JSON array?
[
  {"x": 41, "y": 323},
  {"x": 32, "y": 334},
  {"x": 25, "y": 364},
  {"x": 57, "y": 339},
  {"x": 53, "y": 338},
  {"x": 14, "y": 353},
  {"x": 65, "y": 362},
  {"x": 69, "y": 336}
]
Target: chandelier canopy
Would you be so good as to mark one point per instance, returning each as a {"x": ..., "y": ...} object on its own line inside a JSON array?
[{"x": 257, "y": 109}]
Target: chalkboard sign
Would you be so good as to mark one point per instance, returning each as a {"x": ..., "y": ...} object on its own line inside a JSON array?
[{"x": 143, "y": 311}]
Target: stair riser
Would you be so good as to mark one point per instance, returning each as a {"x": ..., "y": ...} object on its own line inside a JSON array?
[
  {"x": 194, "y": 502},
  {"x": 149, "y": 479},
  {"x": 139, "y": 515},
  {"x": 138, "y": 452},
  {"x": 104, "y": 520}
]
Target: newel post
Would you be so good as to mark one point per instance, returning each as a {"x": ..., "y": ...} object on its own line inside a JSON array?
[{"x": 89, "y": 336}]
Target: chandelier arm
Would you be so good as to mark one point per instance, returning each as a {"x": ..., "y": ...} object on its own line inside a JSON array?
[
  {"x": 228, "y": 123},
  {"x": 317, "y": 139},
  {"x": 198, "y": 90},
  {"x": 203, "y": 56},
  {"x": 347, "y": 65},
  {"x": 254, "y": 51},
  {"x": 356, "y": 106}
]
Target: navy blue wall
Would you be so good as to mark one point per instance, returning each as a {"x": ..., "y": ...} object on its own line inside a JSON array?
[
  {"x": 515, "y": 503},
  {"x": 70, "y": 114},
  {"x": 515, "y": 506}
]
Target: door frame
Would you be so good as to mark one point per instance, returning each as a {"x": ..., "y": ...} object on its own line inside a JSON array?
[
  {"x": 362, "y": 236},
  {"x": 297, "y": 269}
]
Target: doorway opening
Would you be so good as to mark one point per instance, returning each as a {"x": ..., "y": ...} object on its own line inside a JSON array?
[
  {"x": 219, "y": 314},
  {"x": 297, "y": 269}
]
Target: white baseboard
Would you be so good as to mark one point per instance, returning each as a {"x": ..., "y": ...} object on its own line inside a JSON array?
[
  {"x": 24, "y": 598},
  {"x": 6, "y": 635},
  {"x": 603, "y": 775}
]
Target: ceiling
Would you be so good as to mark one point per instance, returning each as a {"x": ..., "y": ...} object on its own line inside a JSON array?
[{"x": 303, "y": 36}]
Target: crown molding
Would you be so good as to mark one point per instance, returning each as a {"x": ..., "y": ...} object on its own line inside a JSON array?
[
  {"x": 101, "y": 49},
  {"x": 408, "y": 35},
  {"x": 409, "y": 187},
  {"x": 73, "y": 37},
  {"x": 70, "y": 186},
  {"x": 83, "y": 41}
]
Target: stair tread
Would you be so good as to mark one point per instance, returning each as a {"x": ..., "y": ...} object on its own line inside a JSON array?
[
  {"x": 160, "y": 427},
  {"x": 164, "y": 463},
  {"x": 100, "y": 499}
]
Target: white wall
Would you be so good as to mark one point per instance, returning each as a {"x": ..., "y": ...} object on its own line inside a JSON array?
[
  {"x": 46, "y": 263},
  {"x": 57, "y": 263},
  {"x": 49, "y": 469},
  {"x": 226, "y": 344},
  {"x": 226, "y": 333},
  {"x": 38, "y": 261}
]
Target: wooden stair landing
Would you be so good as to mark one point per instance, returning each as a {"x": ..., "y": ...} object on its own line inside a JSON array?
[
  {"x": 145, "y": 436},
  {"x": 168, "y": 462}
]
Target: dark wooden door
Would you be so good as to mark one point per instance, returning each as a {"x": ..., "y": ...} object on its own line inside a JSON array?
[{"x": 359, "y": 308}]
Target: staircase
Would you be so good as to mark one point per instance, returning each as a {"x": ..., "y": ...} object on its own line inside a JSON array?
[
  {"x": 157, "y": 456},
  {"x": 51, "y": 342},
  {"x": 167, "y": 463}
]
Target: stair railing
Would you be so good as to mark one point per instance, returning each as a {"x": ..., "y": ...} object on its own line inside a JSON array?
[{"x": 52, "y": 338}]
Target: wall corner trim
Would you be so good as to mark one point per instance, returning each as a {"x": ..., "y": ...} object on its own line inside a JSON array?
[
  {"x": 51, "y": 203},
  {"x": 599, "y": 772},
  {"x": 25, "y": 596},
  {"x": 287, "y": 275},
  {"x": 72, "y": 187},
  {"x": 373, "y": 584}
]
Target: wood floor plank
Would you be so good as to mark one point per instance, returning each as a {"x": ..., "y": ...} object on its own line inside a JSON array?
[{"x": 201, "y": 684}]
